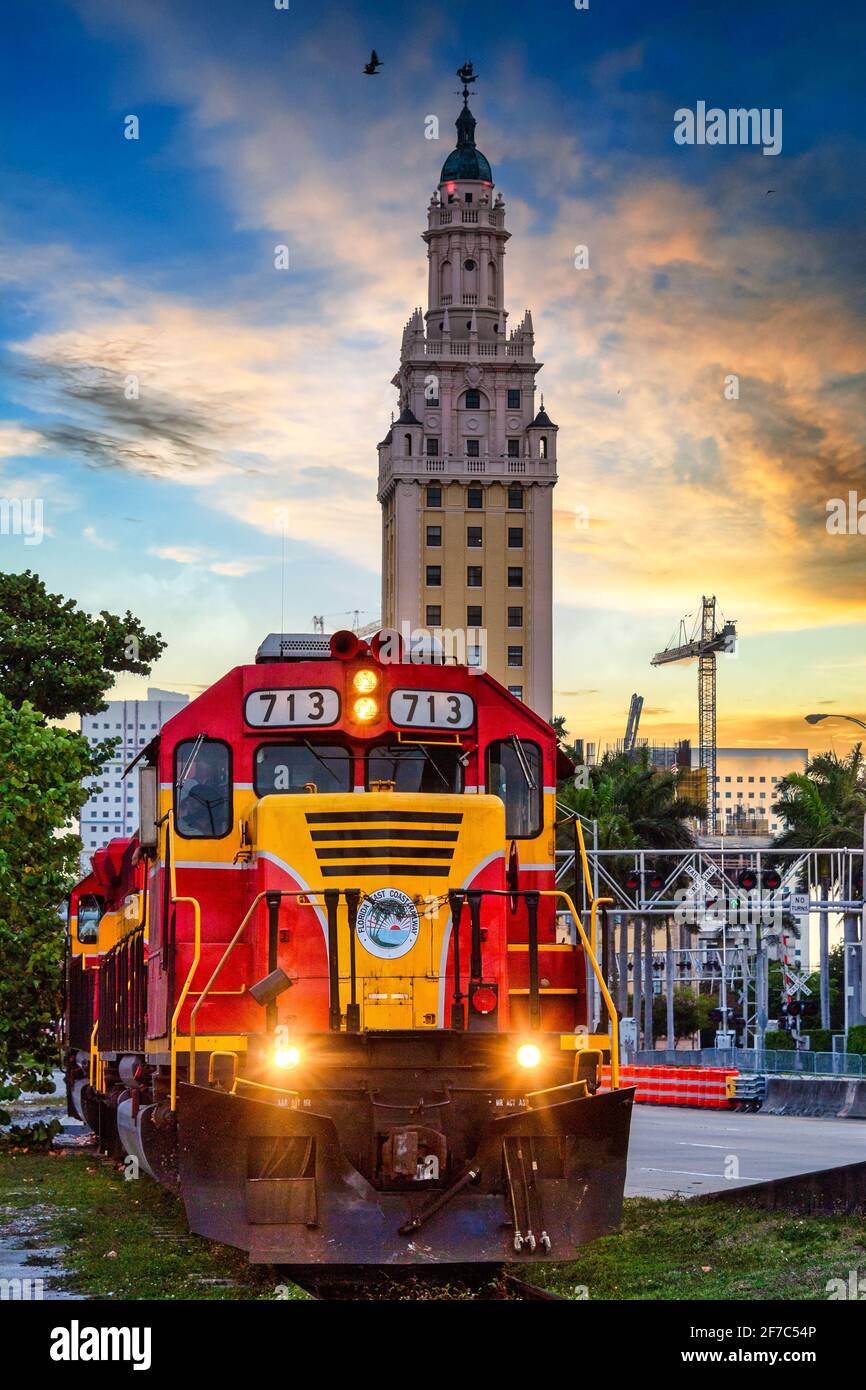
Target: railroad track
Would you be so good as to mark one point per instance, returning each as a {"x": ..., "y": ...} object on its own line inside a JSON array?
[{"x": 459, "y": 1283}]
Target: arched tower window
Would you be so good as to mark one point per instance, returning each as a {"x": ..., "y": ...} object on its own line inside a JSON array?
[
  {"x": 445, "y": 282},
  {"x": 491, "y": 280},
  {"x": 542, "y": 446},
  {"x": 407, "y": 445},
  {"x": 470, "y": 275}
]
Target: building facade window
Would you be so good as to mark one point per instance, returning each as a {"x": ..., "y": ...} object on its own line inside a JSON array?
[
  {"x": 516, "y": 690},
  {"x": 515, "y": 537},
  {"x": 542, "y": 447},
  {"x": 514, "y": 448},
  {"x": 472, "y": 400},
  {"x": 434, "y": 576},
  {"x": 473, "y": 576},
  {"x": 432, "y": 448},
  {"x": 515, "y": 576},
  {"x": 473, "y": 448},
  {"x": 434, "y": 535},
  {"x": 434, "y": 495},
  {"x": 515, "y": 656},
  {"x": 513, "y": 399},
  {"x": 515, "y": 617},
  {"x": 474, "y": 536},
  {"x": 474, "y": 615},
  {"x": 515, "y": 497},
  {"x": 475, "y": 497},
  {"x": 434, "y": 614}
]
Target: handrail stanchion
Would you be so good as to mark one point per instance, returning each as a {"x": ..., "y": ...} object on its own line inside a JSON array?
[{"x": 605, "y": 992}]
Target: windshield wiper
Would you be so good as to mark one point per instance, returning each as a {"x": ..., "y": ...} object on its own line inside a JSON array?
[
  {"x": 524, "y": 762},
  {"x": 321, "y": 761}
]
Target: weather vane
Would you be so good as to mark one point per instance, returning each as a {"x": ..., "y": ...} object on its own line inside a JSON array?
[{"x": 467, "y": 74}]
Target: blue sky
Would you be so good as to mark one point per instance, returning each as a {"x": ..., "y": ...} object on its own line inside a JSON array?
[{"x": 263, "y": 390}]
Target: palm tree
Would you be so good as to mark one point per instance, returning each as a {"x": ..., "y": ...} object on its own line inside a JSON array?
[
  {"x": 636, "y": 806},
  {"x": 824, "y": 807}
]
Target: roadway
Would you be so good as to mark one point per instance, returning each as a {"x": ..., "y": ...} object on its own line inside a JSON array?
[{"x": 678, "y": 1150}]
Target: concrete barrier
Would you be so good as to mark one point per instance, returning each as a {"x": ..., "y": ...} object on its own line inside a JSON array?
[
  {"x": 814, "y": 1096},
  {"x": 854, "y": 1106},
  {"x": 824, "y": 1192}
]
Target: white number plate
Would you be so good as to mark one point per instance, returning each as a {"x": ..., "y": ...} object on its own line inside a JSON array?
[
  {"x": 286, "y": 709},
  {"x": 431, "y": 709}
]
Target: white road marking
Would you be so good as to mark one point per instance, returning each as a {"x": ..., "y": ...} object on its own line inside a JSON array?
[{"x": 691, "y": 1173}]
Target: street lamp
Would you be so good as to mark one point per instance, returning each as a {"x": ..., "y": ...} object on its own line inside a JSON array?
[{"x": 816, "y": 718}]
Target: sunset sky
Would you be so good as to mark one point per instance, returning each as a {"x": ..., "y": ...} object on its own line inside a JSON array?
[{"x": 263, "y": 389}]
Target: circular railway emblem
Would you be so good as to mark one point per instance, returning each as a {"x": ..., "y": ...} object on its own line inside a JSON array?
[{"x": 387, "y": 923}]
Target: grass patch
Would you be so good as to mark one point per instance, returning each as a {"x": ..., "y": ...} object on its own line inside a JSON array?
[
  {"x": 128, "y": 1240},
  {"x": 674, "y": 1250},
  {"x": 121, "y": 1240}
]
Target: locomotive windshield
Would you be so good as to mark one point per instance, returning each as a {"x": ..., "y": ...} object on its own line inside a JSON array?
[
  {"x": 416, "y": 767},
  {"x": 290, "y": 767}
]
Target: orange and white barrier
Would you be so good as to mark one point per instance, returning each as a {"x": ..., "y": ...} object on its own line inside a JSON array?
[{"x": 705, "y": 1088}]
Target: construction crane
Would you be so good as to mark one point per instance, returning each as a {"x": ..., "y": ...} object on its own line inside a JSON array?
[
  {"x": 703, "y": 641},
  {"x": 365, "y": 630},
  {"x": 629, "y": 743}
]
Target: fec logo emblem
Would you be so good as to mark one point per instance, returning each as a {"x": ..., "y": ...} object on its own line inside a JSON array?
[{"x": 388, "y": 923}]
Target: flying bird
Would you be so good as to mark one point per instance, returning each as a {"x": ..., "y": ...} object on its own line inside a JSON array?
[{"x": 374, "y": 63}]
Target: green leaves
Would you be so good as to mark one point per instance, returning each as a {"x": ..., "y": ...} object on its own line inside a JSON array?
[
  {"x": 826, "y": 804},
  {"x": 41, "y": 772},
  {"x": 57, "y": 656}
]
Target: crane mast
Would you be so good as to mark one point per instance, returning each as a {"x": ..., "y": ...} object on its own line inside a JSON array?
[{"x": 705, "y": 641}]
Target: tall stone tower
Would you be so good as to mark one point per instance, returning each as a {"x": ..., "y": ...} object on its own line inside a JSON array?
[{"x": 467, "y": 470}]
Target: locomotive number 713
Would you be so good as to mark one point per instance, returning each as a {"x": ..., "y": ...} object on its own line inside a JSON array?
[
  {"x": 284, "y": 709},
  {"x": 431, "y": 709}
]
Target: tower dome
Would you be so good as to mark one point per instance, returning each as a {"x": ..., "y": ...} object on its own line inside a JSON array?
[{"x": 466, "y": 161}]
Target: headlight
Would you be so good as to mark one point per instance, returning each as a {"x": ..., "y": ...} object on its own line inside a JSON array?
[
  {"x": 287, "y": 1056},
  {"x": 365, "y": 681},
  {"x": 529, "y": 1055},
  {"x": 365, "y": 709}
]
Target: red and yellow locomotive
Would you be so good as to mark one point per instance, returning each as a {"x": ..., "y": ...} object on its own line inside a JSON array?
[{"x": 330, "y": 990}]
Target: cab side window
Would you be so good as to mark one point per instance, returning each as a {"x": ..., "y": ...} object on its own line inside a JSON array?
[
  {"x": 90, "y": 909},
  {"x": 514, "y": 775},
  {"x": 202, "y": 789}
]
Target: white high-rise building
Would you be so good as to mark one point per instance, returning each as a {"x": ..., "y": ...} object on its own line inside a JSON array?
[
  {"x": 112, "y": 808},
  {"x": 467, "y": 471}
]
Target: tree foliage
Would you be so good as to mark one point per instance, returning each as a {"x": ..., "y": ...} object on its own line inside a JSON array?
[
  {"x": 57, "y": 656},
  {"x": 824, "y": 805},
  {"x": 41, "y": 772},
  {"x": 691, "y": 1013},
  {"x": 637, "y": 806}
]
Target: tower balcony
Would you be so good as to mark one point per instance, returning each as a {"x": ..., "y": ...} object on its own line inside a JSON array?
[
  {"x": 456, "y": 215},
  {"x": 459, "y": 468},
  {"x": 444, "y": 349}
]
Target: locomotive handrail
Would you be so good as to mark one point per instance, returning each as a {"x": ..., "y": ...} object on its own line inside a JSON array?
[
  {"x": 596, "y": 969},
  {"x": 206, "y": 991},
  {"x": 283, "y": 893},
  {"x": 196, "y": 957}
]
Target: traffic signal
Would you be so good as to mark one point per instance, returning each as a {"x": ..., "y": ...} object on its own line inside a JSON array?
[
  {"x": 771, "y": 879},
  {"x": 632, "y": 881},
  {"x": 748, "y": 879},
  {"x": 656, "y": 881}
]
